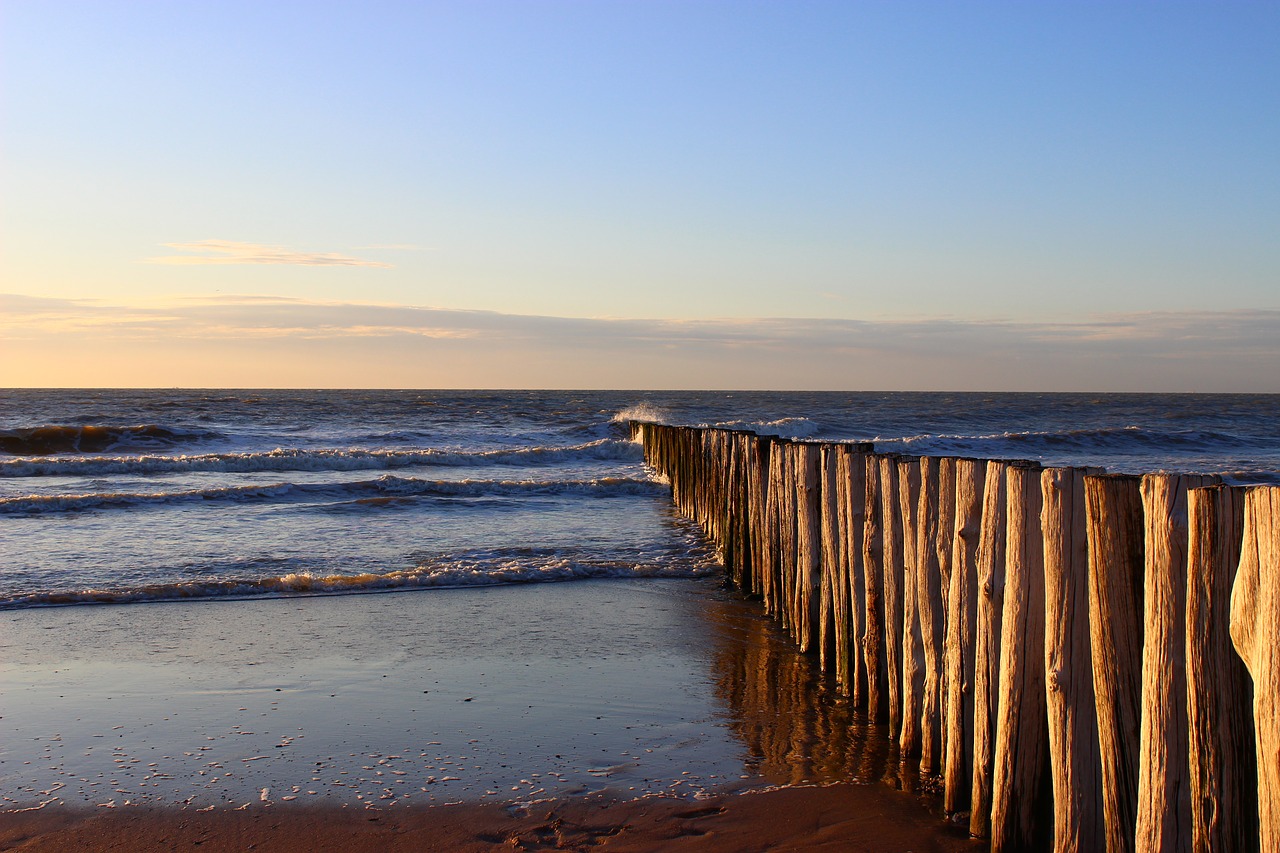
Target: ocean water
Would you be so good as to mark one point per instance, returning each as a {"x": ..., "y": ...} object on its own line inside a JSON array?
[{"x": 134, "y": 496}]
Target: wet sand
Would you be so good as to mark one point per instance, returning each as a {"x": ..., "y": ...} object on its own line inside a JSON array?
[
  {"x": 835, "y": 818},
  {"x": 634, "y": 713}
]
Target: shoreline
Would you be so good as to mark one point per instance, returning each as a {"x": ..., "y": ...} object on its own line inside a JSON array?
[
  {"x": 673, "y": 712},
  {"x": 837, "y": 817}
]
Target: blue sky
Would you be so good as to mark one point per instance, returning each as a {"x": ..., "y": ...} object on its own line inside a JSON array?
[{"x": 1074, "y": 196}]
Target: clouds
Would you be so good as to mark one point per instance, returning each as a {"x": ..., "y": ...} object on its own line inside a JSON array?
[
  {"x": 258, "y": 341},
  {"x": 217, "y": 252}
]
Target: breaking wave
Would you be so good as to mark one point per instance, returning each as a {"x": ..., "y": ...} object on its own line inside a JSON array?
[
  {"x": 481, "y": 568},
  {"x": 283, "y": 459},
  {"x": 96, "y": 438},
  {"x": 782, "y": 427},
  {"x": 1099, "y": 441},
  {"x": 366, "y": 492}
]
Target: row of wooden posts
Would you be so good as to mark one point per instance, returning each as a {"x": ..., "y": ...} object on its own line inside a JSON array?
[{"x": 1085, "y": 661}]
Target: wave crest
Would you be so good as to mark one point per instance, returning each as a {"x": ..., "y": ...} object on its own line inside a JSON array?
[
  {"x": 443, "y": 573},
  {"x": 368, "y": 493},
  {"x": 288, "y": 459},
  {"x": 94, "y": 438}
]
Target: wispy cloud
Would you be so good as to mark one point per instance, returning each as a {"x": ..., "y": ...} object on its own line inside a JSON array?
[
  {"x": 290, "y": 341},
  {"x": 206, "y": 252}
]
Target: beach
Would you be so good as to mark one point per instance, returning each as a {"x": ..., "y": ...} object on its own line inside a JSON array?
[
  {"x": 279, "y": 614},
  {"x": 832, "y": 818},
  {"x": 662, "y": 709}
]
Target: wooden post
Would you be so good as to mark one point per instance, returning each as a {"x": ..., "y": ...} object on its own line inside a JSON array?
[
  {"x": 775, "y": 531},
  {"x": 962, "y": 623},
  {"x": 986, "y": 668},
  {"x": 944, "y": 545},
  {"x": 912, "y": 641},
  {"x": 1224, "y": 779},
  {"x": 1114, "y": 510},
  {"x": 1164, "y": 795},
  {"x": 809, "y": 552},
  {"x": 853, "y": 470},
  {"x": 833, "y": 639},
  {"x": 1078, "y": 825},
  {"x": 930, "y": 606},
  {"x": 1017, "y": 819},
  {"x": 1255, "y": 631},
  {"x": 762, "y": 519},
  {"x": 892, "y": 573},
  {"x": 873, "y": 569}
]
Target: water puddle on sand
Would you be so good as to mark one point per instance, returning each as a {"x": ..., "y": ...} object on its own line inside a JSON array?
[{"x": 507, "y": 693}]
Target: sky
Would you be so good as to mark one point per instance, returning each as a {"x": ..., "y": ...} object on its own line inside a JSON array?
[{"x": 641, "y": 194}]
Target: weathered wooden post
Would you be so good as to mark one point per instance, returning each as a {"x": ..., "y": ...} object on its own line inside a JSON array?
[
  {"x": 962, "y": 623},
  {"x": 853, "y": 472},
  {"x": 873, "y": 569},
  {"x": 1078, "y": 825},
  {"x": 912, "y": 640},
  {"x": 1116, "y": 566},
  {"x": 986, "y": 668},
  {"x": 1224, "y": 779},
  {"x": 833, "y": 631},
  {"x": 762, "y": 557},
  {"x": 1255, "y": 631},
  {"x": 776, "y": 533},
  {"x": 892, "y": 575},
  {"x": 809, "y": 545},
  {"x": 1164, "y": 795},
  {"x": 930, "y": 605},
  {"x": 1017, "y": 815}
]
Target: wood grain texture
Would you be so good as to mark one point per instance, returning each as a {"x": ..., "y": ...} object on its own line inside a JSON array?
[
  {"x": 1164, "y": 793},
  {"x": 873, "y": 569},
  {"x": 1116, "y": 567},
  {"x": 1020, "y": 813},
  {"x": 1224, "y": 779},
  {"x": 833, "y": 622},
  {"x": 892, "y": 575},
  {"x": 853, "y": 472},
  {"x": 986, "y": 666},
  {"x": 961, "y": 639},
  {"x": 808, "y": 458},
  {"x": 1255, "y": 632},
  {"x": 912, "y": 641},
  {"x": 931, "y": 605},
  {"x": 1078, "y": 825}
]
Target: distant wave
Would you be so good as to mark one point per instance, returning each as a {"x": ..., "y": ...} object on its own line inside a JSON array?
[
  {"x": 782, "y": 427},
  {"x": 95, "y": 438},
  {"x": 515, "y": 566},
  {"x": 314, "y": 460},
  {"x": 1101, "y": 441},
  {"x": 370, "y": 493}
]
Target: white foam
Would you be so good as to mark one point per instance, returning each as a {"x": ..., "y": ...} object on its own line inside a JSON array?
[
  {"x": 293, "y": 459},
  {"x": 366, "y": 492}
]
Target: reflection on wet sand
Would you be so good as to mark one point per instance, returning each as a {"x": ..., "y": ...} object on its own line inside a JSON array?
[{"x": 792, "y": 720}]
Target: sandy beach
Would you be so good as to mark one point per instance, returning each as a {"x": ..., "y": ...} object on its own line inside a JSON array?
[
  {"x": 839, "y": 817},
  {"x": 633, "y": 714}
]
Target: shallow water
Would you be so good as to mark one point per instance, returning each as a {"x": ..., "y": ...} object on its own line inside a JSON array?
[{"x": 635, "y": 687}]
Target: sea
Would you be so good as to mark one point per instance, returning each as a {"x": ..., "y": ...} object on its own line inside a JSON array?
[{"x": 134, "y": 496}]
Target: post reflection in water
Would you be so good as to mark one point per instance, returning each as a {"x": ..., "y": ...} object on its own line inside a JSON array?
[{"x": 795, "y": 725}]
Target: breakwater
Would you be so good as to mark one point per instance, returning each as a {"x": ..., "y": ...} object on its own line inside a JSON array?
[{"x": 1081, "y": 661}]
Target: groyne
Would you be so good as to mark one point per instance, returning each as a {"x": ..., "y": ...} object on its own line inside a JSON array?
[{"x": 1080, "y": 661}]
